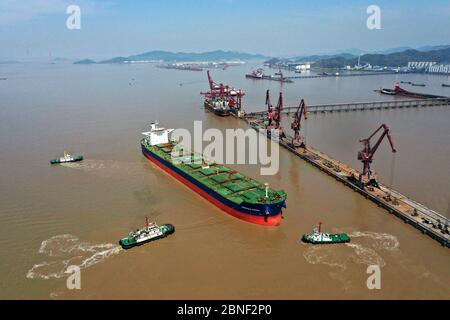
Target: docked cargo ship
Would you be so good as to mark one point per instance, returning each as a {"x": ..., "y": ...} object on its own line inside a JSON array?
[
  {"x": 218, "y": 106},
  {"x": 231, "y": 191}
]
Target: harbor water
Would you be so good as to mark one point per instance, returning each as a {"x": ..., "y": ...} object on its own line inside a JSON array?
[{"x": 52, "y": 217}]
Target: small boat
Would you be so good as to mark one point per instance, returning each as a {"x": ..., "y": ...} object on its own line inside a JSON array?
[
  {"x": 318, "y": 237},
  {"x": 446, "y": 85},
  {"x": 66, "y": 158},
  {"x": 151, "y": 232},
  {"x": 407, "y": 82},
  {"x": 418, "y": 84}
]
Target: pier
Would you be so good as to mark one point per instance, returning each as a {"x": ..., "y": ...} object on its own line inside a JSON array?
[
  {"x": 424, "y": 219},
  {"x": 336, "y": 75},
  {"x": 363, "y": 106}
]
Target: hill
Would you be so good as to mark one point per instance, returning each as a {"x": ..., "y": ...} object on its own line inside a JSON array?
[
  {"x": 396, "y": 59},
  {"x": 167, "y": 56}
]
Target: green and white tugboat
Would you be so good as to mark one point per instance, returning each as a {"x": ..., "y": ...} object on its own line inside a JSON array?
[
  {"x": 149, "y": 233},
  {"x": 319, "y": 237},
  {"x": 67, "y": 157}
]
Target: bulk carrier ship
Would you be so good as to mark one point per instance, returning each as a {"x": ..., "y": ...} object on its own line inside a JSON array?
[{"x": 231, "y": 191}]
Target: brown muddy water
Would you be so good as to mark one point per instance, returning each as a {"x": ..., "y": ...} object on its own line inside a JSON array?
[{"x": 74, "y": 214}]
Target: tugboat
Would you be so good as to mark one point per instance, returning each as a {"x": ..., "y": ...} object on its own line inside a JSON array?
[
  {"x": 149, "y": 233},
  {"x": 318, "y": 237},
  {"x": 66, "y": 158}
]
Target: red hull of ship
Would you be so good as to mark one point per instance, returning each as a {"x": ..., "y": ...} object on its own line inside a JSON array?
[{"x": 269, "y": 221}]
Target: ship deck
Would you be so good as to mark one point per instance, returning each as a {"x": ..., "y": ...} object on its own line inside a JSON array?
[{"x": 227, "y": 182}]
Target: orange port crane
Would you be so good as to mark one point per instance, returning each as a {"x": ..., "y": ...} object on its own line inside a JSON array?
[
  {"x": 367, "y": 177},
  {"x": 298, "y": 140},
  {"x": 224, "y": 92}
]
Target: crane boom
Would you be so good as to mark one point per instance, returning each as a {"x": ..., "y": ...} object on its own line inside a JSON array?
[
  {"x": 296, "y": 124},
  {"x": 268, "y": 103},
  {"x": 366, "y": 155},
  {"x": 278, "y": 110}
]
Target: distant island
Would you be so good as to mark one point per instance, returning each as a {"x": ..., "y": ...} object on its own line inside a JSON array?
[
  {"x": 85, "y": 61},
  {"x": 396, "y": 57},
  {"x": 168, "y": 56}
]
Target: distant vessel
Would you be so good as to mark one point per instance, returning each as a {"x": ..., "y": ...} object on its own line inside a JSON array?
[
  {"x": 446, "y": 85},
  {"x": 229, "y": 190},
  {"x": 402, "y": 92},
  {"x": 181, "y": 67},
  {"x": 318, "y": 237},
  {"x": 418, "y": 84},
  {"x": 66, "y": 158},
  {"x": 149, "y": 233},
  {"x": 258, "y": 74},
  {"x": 219, "y": 106},
  {"x": 388, "y": 91}
]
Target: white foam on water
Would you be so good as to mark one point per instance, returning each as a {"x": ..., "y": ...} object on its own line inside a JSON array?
[
  {"x": 325, "y": 255},
  {"x": 364, "y": 255},
  {"x": 99, "y": 165},
  {"x": 67, "y": 250},
  {"x": 383, "y": 241}
]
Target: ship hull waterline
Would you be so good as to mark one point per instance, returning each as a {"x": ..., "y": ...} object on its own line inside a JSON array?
[{"x": 272, "y": 220}]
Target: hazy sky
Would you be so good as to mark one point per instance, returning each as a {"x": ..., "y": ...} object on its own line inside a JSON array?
[{"x": 30, "y": 29}]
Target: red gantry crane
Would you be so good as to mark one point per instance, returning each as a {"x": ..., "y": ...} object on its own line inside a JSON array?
[
  {"x": 274, "y": 116},
  {"x": 298, "y": 140},
  {"x": 368, "y": 177},
  {"x": 224, "y": 92}
]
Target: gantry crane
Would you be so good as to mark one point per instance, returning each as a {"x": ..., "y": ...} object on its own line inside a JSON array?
[
  {"x": 367, "y": 177},
  {"x": 298, "y": 140}
]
